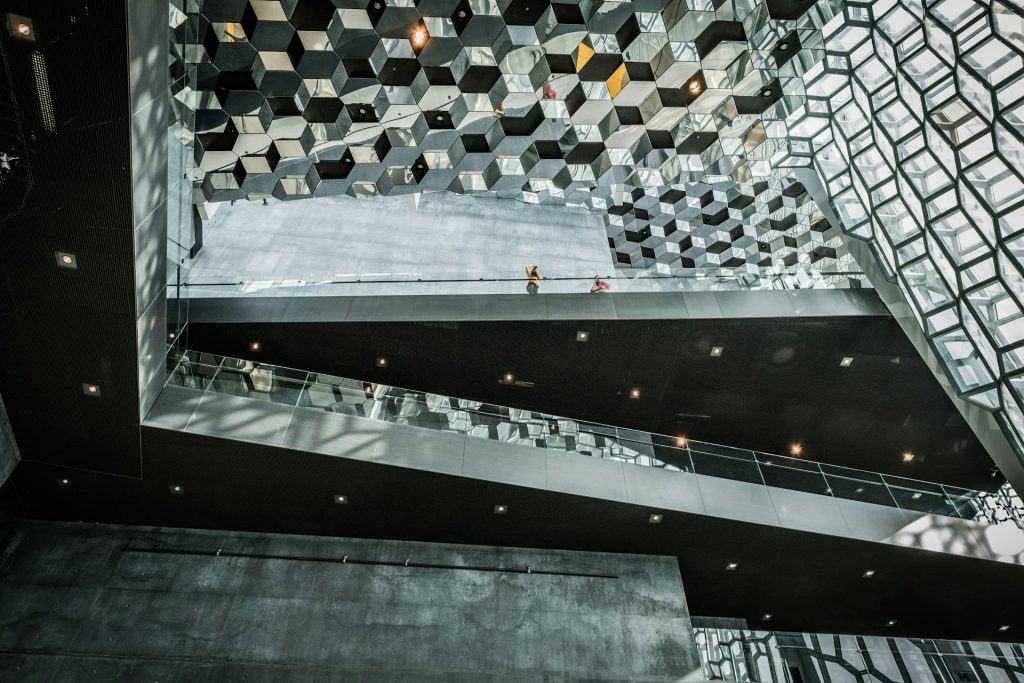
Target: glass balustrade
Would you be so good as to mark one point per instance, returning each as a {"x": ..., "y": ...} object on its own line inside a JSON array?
[
  {"x": 693, "y": 280},
  {"x": 477, "y": 419}
]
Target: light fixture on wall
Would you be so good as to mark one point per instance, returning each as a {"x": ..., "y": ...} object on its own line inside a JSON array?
[
  {"x": 846, "y": 362},
  {"x": 91, "y": 390},
  {"x": 634, "y": 392},
  {"x": 501, "y": 509},
  {"x": 716, "y": 351},
  {"x": 582, "y": 336},
  {"x": 382, "y": 362},
  {"x": 681, "y": 442},
  {"x": 796, "y": 449},
  {"x": 66, "y": 260},
  {"x": 507, "y": 377},
  {"x": 907, "y": 456},
  {"x": 255, "y": 345},
  {"x": 655, "y": 518},
  {"x": 63, "y": 481},
  {"x": 732, "y": 566},
  {"x": 176, "y": 489},
  {"x": 868, "y": 573},
  {"x": 340, "y": 499}
]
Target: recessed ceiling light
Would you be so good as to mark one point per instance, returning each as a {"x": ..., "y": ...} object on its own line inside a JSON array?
[
  {"x": 859, "y": 490},
  {"x": 508, "y": 377},
  {"x": 63, "y": 481},
  {"x": 176, "y": 489},
  {"x": 419, "y": 36},
  {"x": 766, "y": 92},
  {"x": 501, "y": 509},
  {"x": 91, "y": 389},
  {"x": 846, "y": 362},
  {"x": 732, "y": 566},
  {"x": 694, "y": 86},
  {"x": 868, "y": 574},
  {"x": 462, "y": 14},
  {"x": 767, "y": 616},
  {"x": 172, "y": 335},
  {"x": 716, "y": 351},
  {"x": 681, "y": 441},
  {"x": 382, "y": 362},
  {"x": 582, "y": 336},
  {"x": 655, "y": 518},
  {"x": 255, "y": 345},
  {"x": 916, "y": 496},
  {"x": 891, "y": 622},
  {"x": 783, "y": 46},
  {"x": 65, "y": 260},
  {"x": 23, "y": 29},
  {"x": 340, "y": 499},
  {"x": 1004, "y": 628},
  {"x": 634, "y": 392},
  {"x": 796, "y": 448},
  {"x": 908, "y": 456}
]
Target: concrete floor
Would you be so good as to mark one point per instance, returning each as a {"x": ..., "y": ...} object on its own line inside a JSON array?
[{"x": 441, "y": 236}]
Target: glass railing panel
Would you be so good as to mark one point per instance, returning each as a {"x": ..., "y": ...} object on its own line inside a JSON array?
[
  {"x": 866, "y": 487},
  {"x": 726, "y": 467},
  {"x": 788, "y": 473}
]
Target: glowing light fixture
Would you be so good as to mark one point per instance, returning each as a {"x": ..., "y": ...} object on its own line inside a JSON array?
[
  {"x": 501, "y": 509},
  {"x": 908, "y": 456},
  {"x": 655, "y": 519},
  {"x": 732, "y": 566},
  {"x": 846, "y": 362},
  {"x": 91, "y": 390},
  {"x": 716, "y": 351},
  {"x": 634, "y": 392},
  {"x": 255, "y": 345},
  {"x": 796, "y": 448},
  {"x": 382, "y": 362},
  {"x": 694, "y": 87},
  {"x": 681, "y": 441},
  {"x": 868, "y": 574}
]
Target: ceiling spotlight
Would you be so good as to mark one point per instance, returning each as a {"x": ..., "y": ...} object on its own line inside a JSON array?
[
  {"x": 655, "y": 519},
  {"x": 340, "y": 499},
  {"x": 694, "y": 86},
  {"x": 508, "y": 377},
  {"x": 254, "y": 346},
  {"x": 868, "y": 574},
  {"x": 171, "y": 335},
  {"x": 891, "y": 622},
  {"x": 766, "y": 92},
  {"x": 439, "y": 118},
  {"x": 859, "y": 490},
  {"x": 362, "y": 110},
  {"x": 916, "y": 496},
  {"x": 65, "y": 260},
  {"x": 23, "y": 29},
  {"x": 462, "y": 14},
  {"x": 91, "y": 389},
  {"x": 716, "y": 351},
  {"x": 732, "y": 566},
  {"x": 176, "y": 489},
  {"x": 796, "y": 449},
  {"x": 783, "y": 46},
  {"x": 582, "y": 336},
  {"x": 501, "y": 509},
  {"x": 908, "y": 456},
  {"x": 1004, "y": 628},
  {"x": 20, "y": 27},
  {"x": 681, "y": 441},
  {"x": 634, "y": 392},
  {"x": 419, "y": 36},
  {"x": 846, "y": 362},
  {"x": 382, "y": 362},
  {"x": 63, "y": 481},
  {"x": 766, "y": 616}
]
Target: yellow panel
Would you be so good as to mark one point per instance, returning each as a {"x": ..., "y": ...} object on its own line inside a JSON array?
[
  {"x": 583, "y": 55},
  {"x": 617, "y": 81}
]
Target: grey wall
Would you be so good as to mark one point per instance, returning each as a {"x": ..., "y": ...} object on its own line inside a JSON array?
[
  {"x": 9, "y": 455},
  {"x": 150, "y": 112},
  {"x": 445, "y": 236},
  {"x": 74, "y": 604}
]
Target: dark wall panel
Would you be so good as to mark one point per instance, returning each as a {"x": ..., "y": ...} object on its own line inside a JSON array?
[{"x": 777, "y": 382}]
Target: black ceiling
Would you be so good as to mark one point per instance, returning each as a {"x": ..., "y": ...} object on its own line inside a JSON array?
[
  {"x": 809, "y": 582},
  {"x": 777, "y": 381}
]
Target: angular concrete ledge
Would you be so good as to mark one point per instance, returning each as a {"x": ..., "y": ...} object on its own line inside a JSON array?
[
  {"x": 810, "y": 303},
  {"x": 455, "y": 454}
]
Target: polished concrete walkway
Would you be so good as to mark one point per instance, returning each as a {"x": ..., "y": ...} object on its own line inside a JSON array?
[{"x": 444, "y": 236}]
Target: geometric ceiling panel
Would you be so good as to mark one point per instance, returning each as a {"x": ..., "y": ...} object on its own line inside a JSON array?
[{"x": 300, "y": 98}]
